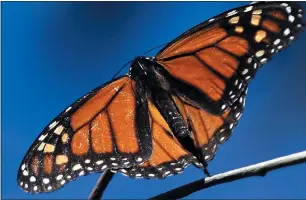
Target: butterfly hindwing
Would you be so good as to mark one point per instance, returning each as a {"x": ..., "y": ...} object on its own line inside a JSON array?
[
  {"x": 106, "y": 129},
  {"x": 168, "y": 156}
]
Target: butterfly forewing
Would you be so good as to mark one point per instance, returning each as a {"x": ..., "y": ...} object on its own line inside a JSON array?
[
  {"x": 212, "y": 63},
  {"x": 107, "y": 129}
]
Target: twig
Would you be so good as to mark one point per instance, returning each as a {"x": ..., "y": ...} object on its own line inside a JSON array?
[
  {"x": 259, "y": 169},
  {"x": 101, "y": 185}
]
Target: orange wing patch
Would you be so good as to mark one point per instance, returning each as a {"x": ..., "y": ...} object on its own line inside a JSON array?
[
  {"x": 122, "y": 118},
  {"x": 278, "y": 14},
  {"x": 235, "y": 45},
  {"x": 168, "y": 156},
  {"x": 201, "y": 77},
  {"x": 101, "y": 137},
  {"x": 270, "y": 25},
  {"x": 194, "y": 42},
  {"x": 80, "y": 141},
  {"x": 220, "y": 61},
  {"x": 48, "y": 164},
  {"x": 96, "y": 103}
]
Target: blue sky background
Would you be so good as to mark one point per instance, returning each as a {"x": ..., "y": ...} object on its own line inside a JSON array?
[{"x": 53, "y": 53}]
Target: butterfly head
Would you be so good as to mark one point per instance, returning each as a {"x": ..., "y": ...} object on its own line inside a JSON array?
[{"x": 141, "y": 67}]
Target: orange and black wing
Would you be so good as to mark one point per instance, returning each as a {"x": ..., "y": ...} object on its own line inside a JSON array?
[
  {"x": 108, "y": 128},
  {"x": 211, "y": 64},
  {"x": 168, "y": 156},
  {"x": 209, "y": 130}
]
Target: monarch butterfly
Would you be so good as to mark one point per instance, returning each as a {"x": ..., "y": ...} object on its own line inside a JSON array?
[{"x": 169, "y": 111}]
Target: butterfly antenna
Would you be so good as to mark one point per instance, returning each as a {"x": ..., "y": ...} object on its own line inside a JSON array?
[
  {"x": 154, "y": 48},
  {"x": 121, "y": 68},
  {"x": 132, "y": 60}
]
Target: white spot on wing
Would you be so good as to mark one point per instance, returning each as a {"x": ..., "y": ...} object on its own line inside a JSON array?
[
  {"x": 248, "y": 9},
  {"x": 287, "y": 31},
  {"x": 249, "y": 60},
  {"x": 59, "y": 177},
  {"x": 222, "y": 138},
  {"x": 42, "y": 137},
  {"x": 245, "y": 71},
  {"x": 46, "y": 180},
  {"x": 99, "y": 162},
  {"x": 263, "y": 60},
  {"x": 32, "y": 179},
  {"x": 284, "y": 4},
  {"x": 260, "y": 53},
  {"x": 68, "y": 109},
  {"x": 233, "y": 12},
  {"x": 53, "y": 124},
  {"x": 76, "y": 167},
  {"x": 291, "y": 18},
  {"x": 276, "y": 42},
  {"x": 25, "y": 173},
  {"x": 41, "y": 146}
]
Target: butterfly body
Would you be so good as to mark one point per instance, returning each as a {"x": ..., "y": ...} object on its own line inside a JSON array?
[
  {"x": 159, "y": 89},
  {"x": 170, "y": 110}
]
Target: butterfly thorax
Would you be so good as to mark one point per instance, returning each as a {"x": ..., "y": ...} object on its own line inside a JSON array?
[{"x": 146, "y": 70}]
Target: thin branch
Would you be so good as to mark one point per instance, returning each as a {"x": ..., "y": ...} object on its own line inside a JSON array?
[
  {"x": 259, "y": 169},
  {"x": 101, "y": 185}
]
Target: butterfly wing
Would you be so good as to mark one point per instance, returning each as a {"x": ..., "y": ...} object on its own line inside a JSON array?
[
  {"x": 209, "y": 130},
  {"x": 211, "y": 64},
  {"x": 108, "y": 128},
  {"x": 168, "y": 156}
]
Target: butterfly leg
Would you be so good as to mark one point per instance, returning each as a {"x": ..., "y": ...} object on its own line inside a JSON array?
[{"x": 206, "y": 172}]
